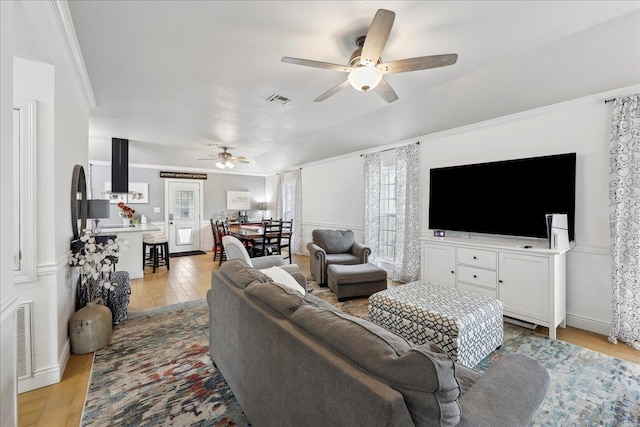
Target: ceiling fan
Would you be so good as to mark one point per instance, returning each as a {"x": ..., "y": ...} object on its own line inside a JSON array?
[
  {"x": 225, "y": 159},
  {"x": 365, "y": 67}
]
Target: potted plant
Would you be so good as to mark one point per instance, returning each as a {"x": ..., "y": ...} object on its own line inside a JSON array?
[{"x": 126, "y": 213}]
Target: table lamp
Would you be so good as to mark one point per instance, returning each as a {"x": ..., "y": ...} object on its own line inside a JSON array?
[
  {"x": 98, "y": 209},
  {"x": 263, "y": 207}
]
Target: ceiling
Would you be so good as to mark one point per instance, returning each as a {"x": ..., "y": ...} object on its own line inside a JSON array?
[{"x": 174, "y": 77}]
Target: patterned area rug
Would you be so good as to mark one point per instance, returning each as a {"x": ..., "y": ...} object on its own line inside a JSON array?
[{"x": 158, "y": 372}]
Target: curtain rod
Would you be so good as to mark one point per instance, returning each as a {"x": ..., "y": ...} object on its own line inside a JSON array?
[
  {"x": 389, "y": 149},
  {"x": 606, "y": 101},
  {"x": 278, "y": 173}
]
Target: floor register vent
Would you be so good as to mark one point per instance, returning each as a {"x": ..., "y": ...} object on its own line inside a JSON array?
[{"x": 25, "y": 365}]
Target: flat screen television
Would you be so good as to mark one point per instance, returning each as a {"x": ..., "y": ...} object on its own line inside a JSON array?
[{"x": 508, "y": 197}]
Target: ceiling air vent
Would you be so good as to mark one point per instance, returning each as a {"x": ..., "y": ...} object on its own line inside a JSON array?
[{"x": 279, "y": 99}]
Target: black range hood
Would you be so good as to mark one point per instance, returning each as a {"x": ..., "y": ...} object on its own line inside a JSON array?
[{"x": 119, "y": 165}]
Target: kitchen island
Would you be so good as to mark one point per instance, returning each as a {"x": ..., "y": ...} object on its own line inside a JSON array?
[{"x": 130, "y": 260}]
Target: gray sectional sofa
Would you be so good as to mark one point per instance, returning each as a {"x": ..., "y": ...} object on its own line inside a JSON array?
[{"x": 294, "y": 360}]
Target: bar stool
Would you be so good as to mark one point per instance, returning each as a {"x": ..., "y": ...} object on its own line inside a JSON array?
[{"x": 158, "y": 251}]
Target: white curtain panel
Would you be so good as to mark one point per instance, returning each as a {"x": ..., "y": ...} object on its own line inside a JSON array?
[
  {"x": 372, "y": 167},
  {"x": 406, "y": 266},
  {"x": 624, "y": 220},
  {"x": 279, "y": 197},
  {"x": 289, "y": 204}
]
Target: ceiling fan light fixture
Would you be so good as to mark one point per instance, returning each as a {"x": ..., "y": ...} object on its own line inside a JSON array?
[
  {"x": 224, "y": 165},
  {"x": 365, "y": 78}
]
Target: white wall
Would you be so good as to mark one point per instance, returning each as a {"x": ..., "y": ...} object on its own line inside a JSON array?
[
  {"x": 8, "y": 297},
  {"x": 333, "y": 196},
  {"x": 333, "y": 193},
  {"x": 61, "y": 142}
]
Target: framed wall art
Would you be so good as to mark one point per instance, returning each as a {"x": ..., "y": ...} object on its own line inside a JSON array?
[
  {"x": 238, "y": 200},
  {"x": 138, "y": 193}
]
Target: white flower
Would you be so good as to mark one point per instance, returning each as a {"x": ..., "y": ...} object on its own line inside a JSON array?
[{"x": 92, "y": 257}]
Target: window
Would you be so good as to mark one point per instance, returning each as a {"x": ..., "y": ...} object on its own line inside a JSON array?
[
  {"x": 185, "y": 205},
  {"x": 24, "y": 143},
  {"x": 387, "y": 236}
]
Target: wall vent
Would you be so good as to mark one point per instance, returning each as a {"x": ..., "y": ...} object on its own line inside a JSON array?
[
  {"x": 279, "y": 99},
  {"x": 25, "y": 356}
]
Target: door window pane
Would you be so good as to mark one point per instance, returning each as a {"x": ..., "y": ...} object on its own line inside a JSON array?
[{"x": 184, "y": 205}]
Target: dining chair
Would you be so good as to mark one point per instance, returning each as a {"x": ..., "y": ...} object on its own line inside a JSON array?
[
  {"x": 218, "y": 249},
  {"x": 268, "y": 244},
  {"x": 285, "y": 238},
  {"x": 220, "y": 232}
]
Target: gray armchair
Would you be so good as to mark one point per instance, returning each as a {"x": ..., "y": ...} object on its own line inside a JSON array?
[{"x": 334, "y": 247}]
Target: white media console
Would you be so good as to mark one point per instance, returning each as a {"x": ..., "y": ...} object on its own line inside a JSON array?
[{"x": 528, "y": 278}]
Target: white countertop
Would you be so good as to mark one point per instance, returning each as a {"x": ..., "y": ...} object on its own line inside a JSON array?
[{"x": 118, "y": 228}]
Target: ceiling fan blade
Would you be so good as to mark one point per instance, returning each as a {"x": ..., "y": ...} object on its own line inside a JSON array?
[
  {"x": 337, "y": 88},
  {"x": 317, "y": 64},
  {"x": 239, "y": 160},
  {"x": 420, "y": 63},
  {"x": 386, "y": 92},
  {"x": 377, "y": 37},
  {"x": 206, "y": 159}
]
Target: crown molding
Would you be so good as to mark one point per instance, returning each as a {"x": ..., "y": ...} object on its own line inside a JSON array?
[
  {"x": 61, "y": 13},
  {"x": 181, "y": 168}
]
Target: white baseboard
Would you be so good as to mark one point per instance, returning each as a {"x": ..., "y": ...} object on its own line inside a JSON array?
[
  {"x": 48, "y": 376},
  {"x": 596, "y": 326},
  {"x": 40, "y": 378}
]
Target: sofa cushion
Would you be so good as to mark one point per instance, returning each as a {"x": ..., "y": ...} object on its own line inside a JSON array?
[
  {"x": 241, "y": 274},
  {"x": 280, "y": 276},
  {"x": 426, "y": 380},
  {"x": 343, "y": 259},
  {"x": 312, "y": 299},
  {"x": 279, "y": 298},
  {"x": 333, "y": 241}
]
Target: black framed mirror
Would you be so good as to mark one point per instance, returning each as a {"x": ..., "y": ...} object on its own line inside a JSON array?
[{"x": 78, "y": 194}]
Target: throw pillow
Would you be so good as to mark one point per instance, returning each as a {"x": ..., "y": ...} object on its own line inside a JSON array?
[{"x": 278, "y": 275}]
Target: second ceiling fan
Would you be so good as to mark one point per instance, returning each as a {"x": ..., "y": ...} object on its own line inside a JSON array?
[
  {"x": 365, "y": 67},
  {"x": 225, "y": 159}
]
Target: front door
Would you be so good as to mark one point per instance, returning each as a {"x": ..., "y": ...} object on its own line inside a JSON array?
[{"x": 183, "y": 214}]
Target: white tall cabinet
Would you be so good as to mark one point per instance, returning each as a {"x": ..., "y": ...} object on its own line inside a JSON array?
[{"x": 530, "y": 281}]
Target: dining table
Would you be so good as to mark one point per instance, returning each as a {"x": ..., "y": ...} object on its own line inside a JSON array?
[
  {"x": 252, "y": 232},
  {"x": 247, "y": 234}
]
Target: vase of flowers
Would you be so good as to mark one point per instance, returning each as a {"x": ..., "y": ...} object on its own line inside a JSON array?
[
  {"x": 126, "y": 213},
  {"x": 95, "y": 257}
]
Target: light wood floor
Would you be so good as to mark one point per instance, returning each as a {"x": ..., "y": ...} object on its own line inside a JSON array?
[{"x": 189, "y": 279}]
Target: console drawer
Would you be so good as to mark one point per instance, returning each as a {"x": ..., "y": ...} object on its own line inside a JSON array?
[
  {"x": 478, "y": 258},
  {"x": 478, "y": 290},
  {"x": 477, "y": 276}
]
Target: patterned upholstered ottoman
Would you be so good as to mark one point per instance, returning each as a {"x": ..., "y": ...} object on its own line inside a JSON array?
[{"x": 466, "y": 325}]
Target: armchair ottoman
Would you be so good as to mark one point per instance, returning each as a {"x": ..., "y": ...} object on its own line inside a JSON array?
[{"x": 361, "y": 280}]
